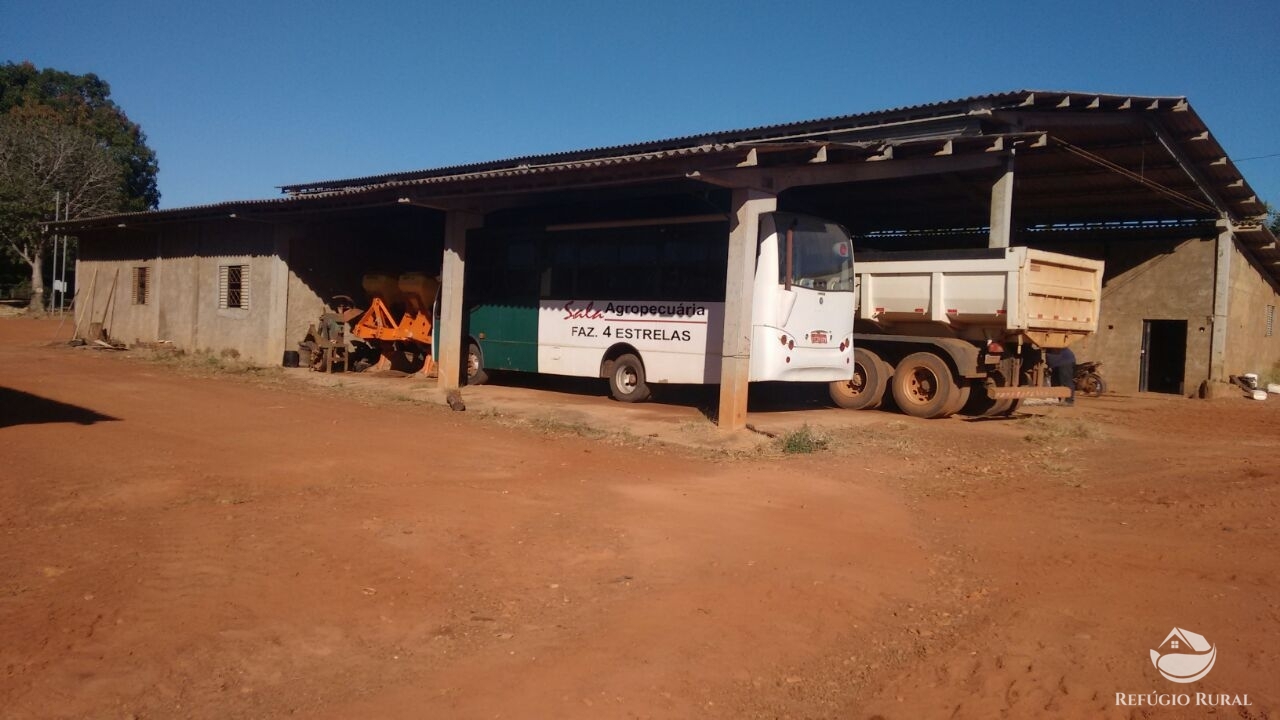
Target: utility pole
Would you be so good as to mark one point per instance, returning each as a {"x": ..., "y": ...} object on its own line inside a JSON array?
[
  {"x": 53, "y": 268},
  {"x": 66, "y": 215}
]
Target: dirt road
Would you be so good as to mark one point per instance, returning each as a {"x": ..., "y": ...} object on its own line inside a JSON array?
[{"x": 248, "y": 545}]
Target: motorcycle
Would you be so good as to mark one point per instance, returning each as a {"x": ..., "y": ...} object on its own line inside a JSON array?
[{"x": 1088, "y": 380}]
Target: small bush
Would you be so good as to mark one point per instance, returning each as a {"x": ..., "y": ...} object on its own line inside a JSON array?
[
  {"x": 1049, "y": 430},
  {"x": 803, "y": 441}
]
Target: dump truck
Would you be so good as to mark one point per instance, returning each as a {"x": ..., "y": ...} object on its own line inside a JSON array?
[{"x": 941, "y": 331}]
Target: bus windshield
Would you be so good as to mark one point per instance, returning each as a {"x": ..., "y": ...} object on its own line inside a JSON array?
[{"x": 822, "y": 257}]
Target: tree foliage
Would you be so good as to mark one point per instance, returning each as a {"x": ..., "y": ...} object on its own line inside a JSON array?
[
  {"x": 84, "y": 101},
  {"x": 45, "y": 166},
  {"x": 62, "y": 133}
]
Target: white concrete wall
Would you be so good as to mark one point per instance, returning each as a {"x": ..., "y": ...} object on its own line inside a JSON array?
[{"x": 183, "y": 304}]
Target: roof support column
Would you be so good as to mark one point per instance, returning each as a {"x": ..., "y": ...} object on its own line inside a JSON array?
[
  {"x": 1221, "y": 298},
  {"x": 1002, "y": 207},
  {"x": 735, "y": 363},
  {"x": 452, "y": 271}
]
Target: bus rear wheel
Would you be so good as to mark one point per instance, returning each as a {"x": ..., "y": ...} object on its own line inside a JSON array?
[
  {"x": 626, "y": 380},
  {"x": 865, "y": 391}
]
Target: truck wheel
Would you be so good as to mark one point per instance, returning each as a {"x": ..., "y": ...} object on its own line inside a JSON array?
[
  {"x": 959, "y": 398},
  {"x": 866, "y": 390},
  {"x": 981, "y": 405},
  {"x": 473, "y": 370},
  {"x": 922, "y": 385},
  {"x": 626, "y": 381}
]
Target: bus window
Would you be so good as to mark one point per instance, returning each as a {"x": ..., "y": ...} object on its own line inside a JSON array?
[
  {"x": 562, "y": 266},
  {"x": 821, "y": 256},
  {"x": 519, "y": 273},
  {"x": 598, "y": 261}
]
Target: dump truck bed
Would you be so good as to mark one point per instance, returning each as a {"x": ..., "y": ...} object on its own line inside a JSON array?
[{"x": 1005, "y": 294}]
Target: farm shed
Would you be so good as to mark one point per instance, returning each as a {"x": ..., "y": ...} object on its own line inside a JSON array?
[{"x": 1140, "y": 182}]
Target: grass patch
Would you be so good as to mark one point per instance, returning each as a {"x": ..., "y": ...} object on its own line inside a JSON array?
[
  {"x": 803, "y": 441},
  {"x": 206, "y": 362},
  {"x": 559, "y": 427},
  {"x": 895, "y": 437},
  {"x": 1044, "y": 430}
]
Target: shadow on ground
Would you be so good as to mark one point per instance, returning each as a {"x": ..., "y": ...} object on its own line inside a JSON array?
[
  {"x": 763, "y": 396},
  {"x": 20, "y": 408}
]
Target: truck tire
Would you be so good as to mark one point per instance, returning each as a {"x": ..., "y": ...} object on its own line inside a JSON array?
[
  {"x": 866, "y": 390},
  {"x": 981, "y": 405},
  {"x": 626, "y": 380},
  {"x": 959, "y": 398},
  {"x": 923, "y": 386}
]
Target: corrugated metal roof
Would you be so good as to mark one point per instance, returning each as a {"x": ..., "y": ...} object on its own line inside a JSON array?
[
  {"x": 754, "y": 134},
  {"x": 986, "y": 115},
  {"x": 350, "y": 193}
]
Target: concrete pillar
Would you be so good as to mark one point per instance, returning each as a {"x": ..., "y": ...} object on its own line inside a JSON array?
[
  {"x": 735, "y": 364},
  {"x": 1002, "y": 208},
  {"x": 452, "y": 271},
  {"x": 278, "y": 339},
  {"x": 1221, "y": 298}
]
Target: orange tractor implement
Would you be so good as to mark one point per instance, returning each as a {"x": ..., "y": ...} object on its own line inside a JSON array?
[{"x": 404, "y": 344}]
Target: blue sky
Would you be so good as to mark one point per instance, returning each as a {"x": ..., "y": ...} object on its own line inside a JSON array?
[{"x": 238, "y": 97}]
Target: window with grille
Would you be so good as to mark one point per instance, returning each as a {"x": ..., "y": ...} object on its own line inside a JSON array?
[
  {"x": 233, "y": 286},
  {"x": 141, "y": 285},
  {"x": 1271, "y": 319}
]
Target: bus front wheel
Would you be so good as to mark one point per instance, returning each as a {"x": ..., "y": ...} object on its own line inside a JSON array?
[{"x": 626, "y": 380}]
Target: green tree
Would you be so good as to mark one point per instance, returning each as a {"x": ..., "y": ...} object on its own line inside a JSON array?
[
  {"x": 84, "y": 101},
  {"x": 87, "y": 140},
  {"x": 45, "y": 164}
]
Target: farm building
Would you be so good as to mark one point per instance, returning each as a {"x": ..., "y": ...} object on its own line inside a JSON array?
[{"x": 1192, "y": 273}]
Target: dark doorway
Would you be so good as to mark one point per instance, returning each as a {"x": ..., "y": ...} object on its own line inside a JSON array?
[{"x": 1164, "y": 356}]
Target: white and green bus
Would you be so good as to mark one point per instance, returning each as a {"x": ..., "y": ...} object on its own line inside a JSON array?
[{"x": 642, "y": 302}]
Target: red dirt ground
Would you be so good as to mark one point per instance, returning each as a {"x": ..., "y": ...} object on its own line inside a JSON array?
[{"x": 184, "y": 543}]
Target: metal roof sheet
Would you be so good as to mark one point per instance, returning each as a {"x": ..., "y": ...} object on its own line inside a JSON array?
[
  {"x": 753, "y": 134},
  {"x": 974, "y": 118}
]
